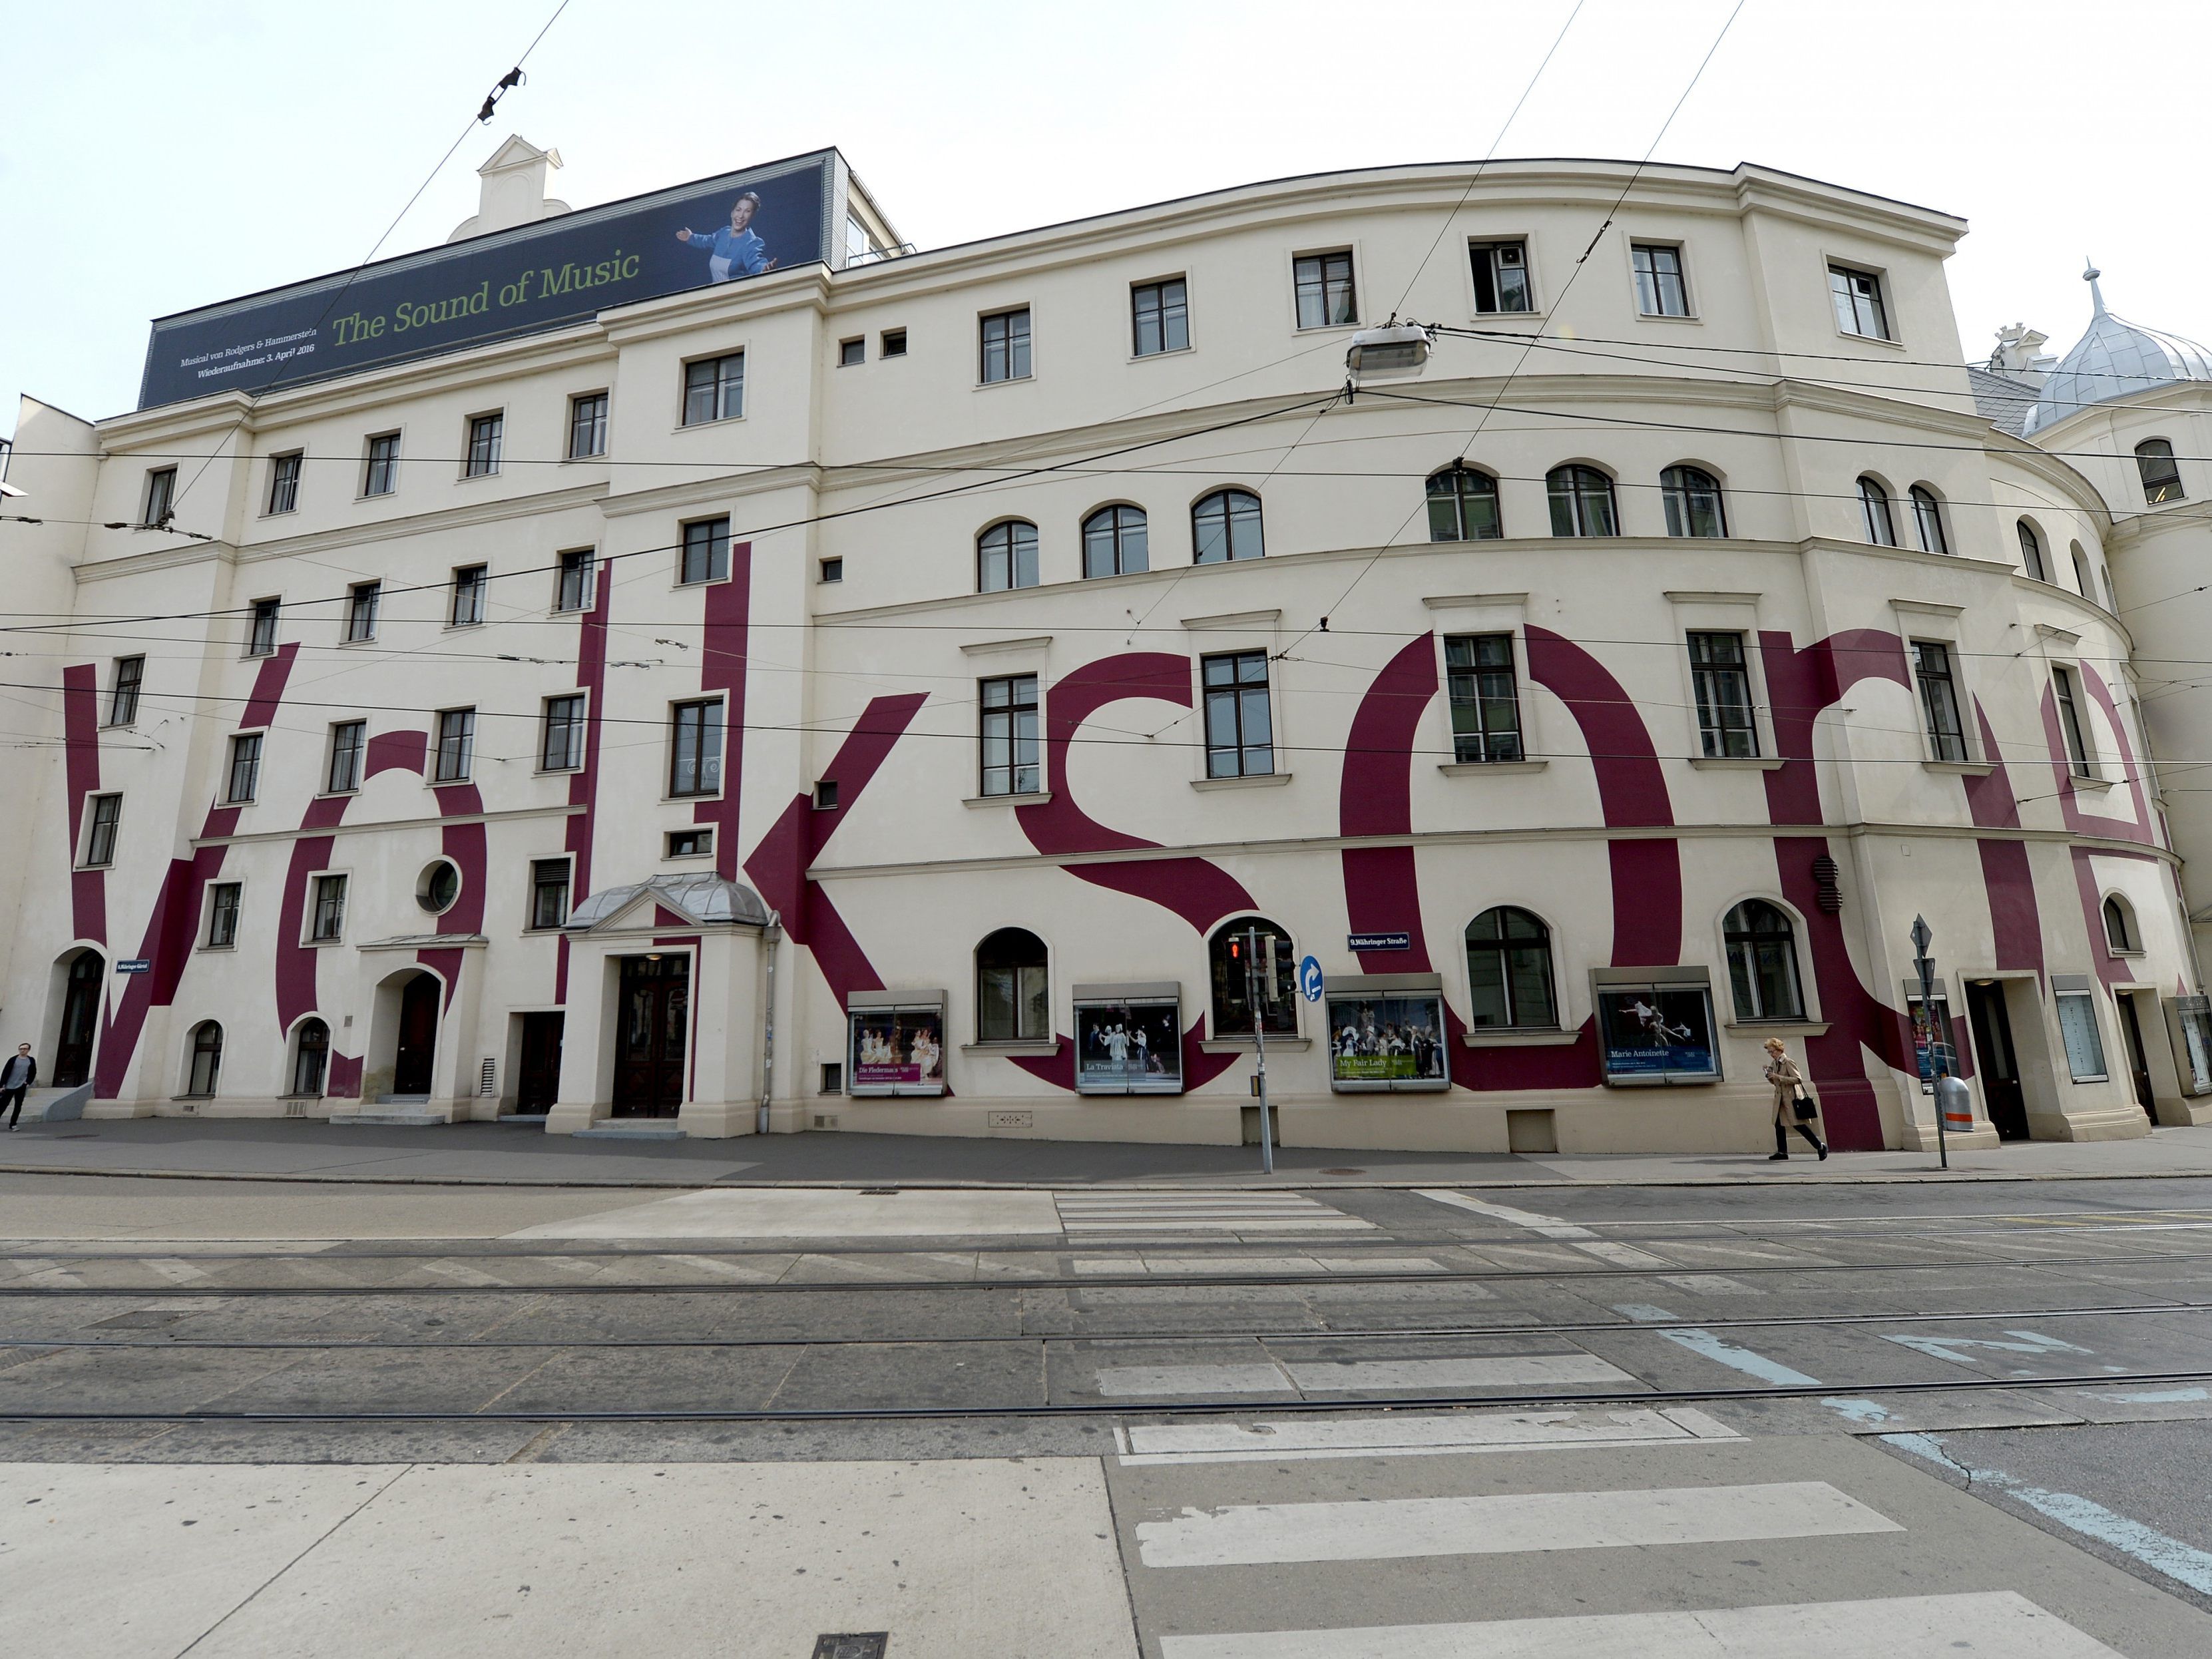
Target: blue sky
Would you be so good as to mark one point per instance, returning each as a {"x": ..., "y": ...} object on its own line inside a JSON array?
[{"x": 159, "y": 156}]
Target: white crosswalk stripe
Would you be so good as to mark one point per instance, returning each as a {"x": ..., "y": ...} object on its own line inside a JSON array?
[
  {"x": 1236, "y": 1213},
  {"x": 1214, "y": 1507}
]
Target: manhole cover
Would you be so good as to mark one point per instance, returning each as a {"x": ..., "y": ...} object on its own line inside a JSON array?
[
  {"x": 1344, "y": 1172},
  {"x": 869, "y": 1646}
]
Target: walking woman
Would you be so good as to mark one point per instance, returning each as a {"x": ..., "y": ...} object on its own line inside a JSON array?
[{"x": 1795, "y": 1106}]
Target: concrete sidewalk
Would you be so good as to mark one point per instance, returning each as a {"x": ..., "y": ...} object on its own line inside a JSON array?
[{"x": 490, "y": 1154}]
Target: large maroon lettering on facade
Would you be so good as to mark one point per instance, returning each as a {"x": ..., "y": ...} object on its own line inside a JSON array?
[{"x": 81, "y": 736}]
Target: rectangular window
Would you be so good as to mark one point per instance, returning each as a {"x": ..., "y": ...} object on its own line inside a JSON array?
[
  {"x": 1659, "y": 288},
  {"x": 360, "y": 610},
  {"x": 261, "y": 633},
  {"x": 833, "y": 1077},
  {"x": 99, "y": 838},
  {"x": 706, "y": 551},
  {"x": 330, "y": 907},
  {"x": 1325, "y": 293},
  {"x": 1005, "y": 346},
  {"x": 2085, "y": 1047},
  {"x": 284, "y": 482},
  {"x": 825, "y": 795},
  {"x": 382, "y": 474},
  {"x": 1723, "y": 681},
  {"x": 852, "y": 353},
  {"x": 1485, "y": 704},
  {"x": 468, "y": 607},
  {"x": 1160, "y": 318},
  {"x": 222, "y": 914},
  {"x": 572, "y": 590},
  {"x": 894, "y": 343},
  {"x": 457, "y": 745},
  {"x": 1939, "y": 701},
  {"x": 714, "y": 389},
  {"x": 486, "y": 433},
  {"x": 833, "y": 570},
  {"x": 562, "y": 747},
  {"x": 689, "y": 844},
  {"x": 694, "y": 748},
  {"x": 1010, "y": 735},
  {"x": 1501, "y": 277},
  {"x": 244, "y": 768},
  {"x": 549, "y": 892},
  {"x": 161, "y": 494},
  {"x": 587, "y": 426},
  {"x": 348, "y": 747},
  {"x": 1859, "y": 309},
  {"x": 1239, "y": 733},
  {"x": 2069, "y": 724},
  {"x": 123, "y": 697}
]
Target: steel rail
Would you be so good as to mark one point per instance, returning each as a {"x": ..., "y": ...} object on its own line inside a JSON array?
[
  {"x": 1411, "y": 1333},
  {"x": 1245, "y": 1406},
  {"x": 1566, "y": 1270}
]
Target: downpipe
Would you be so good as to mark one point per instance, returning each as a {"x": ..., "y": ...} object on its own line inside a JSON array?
[{"x": 773, "y": 933}]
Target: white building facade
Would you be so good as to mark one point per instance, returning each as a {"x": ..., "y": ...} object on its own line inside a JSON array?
[{"x": 895, "y": 693}]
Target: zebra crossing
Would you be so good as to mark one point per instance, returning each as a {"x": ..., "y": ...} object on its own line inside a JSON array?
[
  {"x": 1635, "y": 1534},
  {"x": 1240, "y": 1213}
]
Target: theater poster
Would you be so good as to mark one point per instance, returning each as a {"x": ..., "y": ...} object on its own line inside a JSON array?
[
  {"x": 1657, "y": 1034},
  {"x": 1389, "y": 1042},
  {"x": 1129, "y": 1048},
  {"x": 897, "y": 1051}
]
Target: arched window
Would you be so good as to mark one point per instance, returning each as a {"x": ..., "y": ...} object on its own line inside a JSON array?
[
  {"x": 1509, "y": 970},
  {"x": 1463, "y": 505},
  {"x": 1006, "y": 556},
  {"x": 2082, "y": 585},
  {"x": 1227, "y": 954},
  {"x": 1226, "y": 525},
  {"x": 1693, "y": 502},
  {"x": 206, "y": 1058},
  {"x": 2030, "y": 551},
  {"x": 1013, "y": 1001},
  {"x": 1114, "y": 542},
  {"x": 310, "y": 1057},
  {"x": 1762, "y": 956},
  {"x": 1873, "y": 509},
  {"x": 1928, "y": 520},
  {"x": 1582, "y": 502},
  {"x": 2119, "y": 934},
  {"x": 2162, "y": 478}
]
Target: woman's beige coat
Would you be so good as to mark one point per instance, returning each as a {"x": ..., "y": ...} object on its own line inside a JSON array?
[{"x": 1782, "y": 1072}]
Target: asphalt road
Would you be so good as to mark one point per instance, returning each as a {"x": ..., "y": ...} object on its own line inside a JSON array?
[{"x": 1282, "y": 1424}]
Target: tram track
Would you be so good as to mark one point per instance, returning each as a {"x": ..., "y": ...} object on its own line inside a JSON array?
[
  {"x": 1243, "y": 1406},
  {"x": 1566, "y": 1270},
  {"x": 1219, "y": 1333}
]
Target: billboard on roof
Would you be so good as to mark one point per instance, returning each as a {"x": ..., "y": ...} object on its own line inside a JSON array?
[{"x": 524, "y": 281}]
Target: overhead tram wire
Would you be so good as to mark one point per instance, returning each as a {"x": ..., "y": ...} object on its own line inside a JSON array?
[
  {"x": 1322, "y": 625},
  {"x": 512, "y": 78}
]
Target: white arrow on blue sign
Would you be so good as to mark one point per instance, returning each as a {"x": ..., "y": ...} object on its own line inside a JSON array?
[{"x": 1310, "y": 980}]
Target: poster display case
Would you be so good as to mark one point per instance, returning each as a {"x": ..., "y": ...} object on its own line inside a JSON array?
[
  {"x": 1655, "y": 1026},
  {"x": 895, "y": 1042},
  {"x": 1386, "y": 1033},
  {"x": 1128, "y": 1039}
]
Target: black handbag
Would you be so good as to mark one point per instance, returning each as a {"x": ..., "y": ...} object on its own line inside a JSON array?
[{"x": 1807, "y": 1108}]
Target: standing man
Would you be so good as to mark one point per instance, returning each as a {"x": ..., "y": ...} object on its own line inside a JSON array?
[
  {"x": 737, "y": 251},
  {"x": 16, "y": 1079}
]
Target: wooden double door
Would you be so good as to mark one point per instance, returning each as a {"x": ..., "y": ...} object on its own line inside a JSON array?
[
  {"x": 652, "y": 1045},
  {"x": 80, "y": 1020}
]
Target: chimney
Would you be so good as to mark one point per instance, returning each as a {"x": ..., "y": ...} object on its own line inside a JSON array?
[
  {"x": 2019, "y": 353},
  {"x": 513, "y": 190}
]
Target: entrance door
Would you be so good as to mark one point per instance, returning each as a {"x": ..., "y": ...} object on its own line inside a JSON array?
[
  {"x": 538, "y": 1084},
  {"x": 2000, "y": 1070},
  {"x": 418, "y": 1037},
  {"x": 80, "y": 1016},
  {"x": 651, "y": 1049},
  {"x": 2138, "y": 1066}
]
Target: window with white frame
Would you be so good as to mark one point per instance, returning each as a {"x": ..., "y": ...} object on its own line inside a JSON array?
[
  {"x": 1721, "y": 677},
  {"x": 105, "y": 814},
  {"x": 123, "y": 693},
  {"x": 362, "y": 602},
  {"x": 561, "y": 747},
  {"x": 328, "y": 922},
  {"x": 244, "y": 782},
  {"x": 224, "y": 899},
  {"x": 1006, "y": 556},
  {"x": 695, "y": 747},
  {"x": 1859, "y": 307},
  {"x": 1692, "y": 498},
  {"x": 1009, "y": 732},
  {"x": 487, "y": 436},
  {"x": 714, "y": 389},
  {"x": 1928, "y": 520},
  {"x": 381, "y": 467},
  {"x": 1483, "y": 697},
  {"x": 1501, "y": 278},
  {"x": 706, "y": 553},
  {"x": 573, "y": 586},
  {"x": 549, "y": 892},
  {"x": 471, "y": 583},
  {"x": 1239, "y": 730},
  {"x": 2030, "y": 551},
  {"x": 1463, "y": 505},
  {"x": 261, "y": 633},
  {"x": 1762, "y": 959},
  {"x": 587, "y": 425},
  {"x": 1003, "y": 346},
  {"x": 1582, "y": 502},
  {"x": 457, "y": 745},
  {"x": 2079, "y": 757},
  {"x": 284, "y": 482},
  {"x": 1874, "y": 512},
  {"x": 1508, "y": 971},
  {"x": 1327, "y": 297},
  {"x": 1115, "y": 541},
  {"x": 1160, "y": 318},
  {"x": 2119, "y": 928},
  {"x": 348, "y": 747},
  {"x": 2161, "y": 477},
  {"x": 1225, "y": 527},
  {"x": 161, "y": 495}
]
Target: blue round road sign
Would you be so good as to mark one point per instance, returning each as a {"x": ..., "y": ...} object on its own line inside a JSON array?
[{"x": 1310, "y": 980}]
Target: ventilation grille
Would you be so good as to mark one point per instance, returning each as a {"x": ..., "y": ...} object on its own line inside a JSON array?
[{"x": 489, "y": 1083}]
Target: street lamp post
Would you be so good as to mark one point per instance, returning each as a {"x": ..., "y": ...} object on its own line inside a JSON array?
[
  {"x": 1923, "y": 937},
  {"x": 1257, "y": 986}
]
